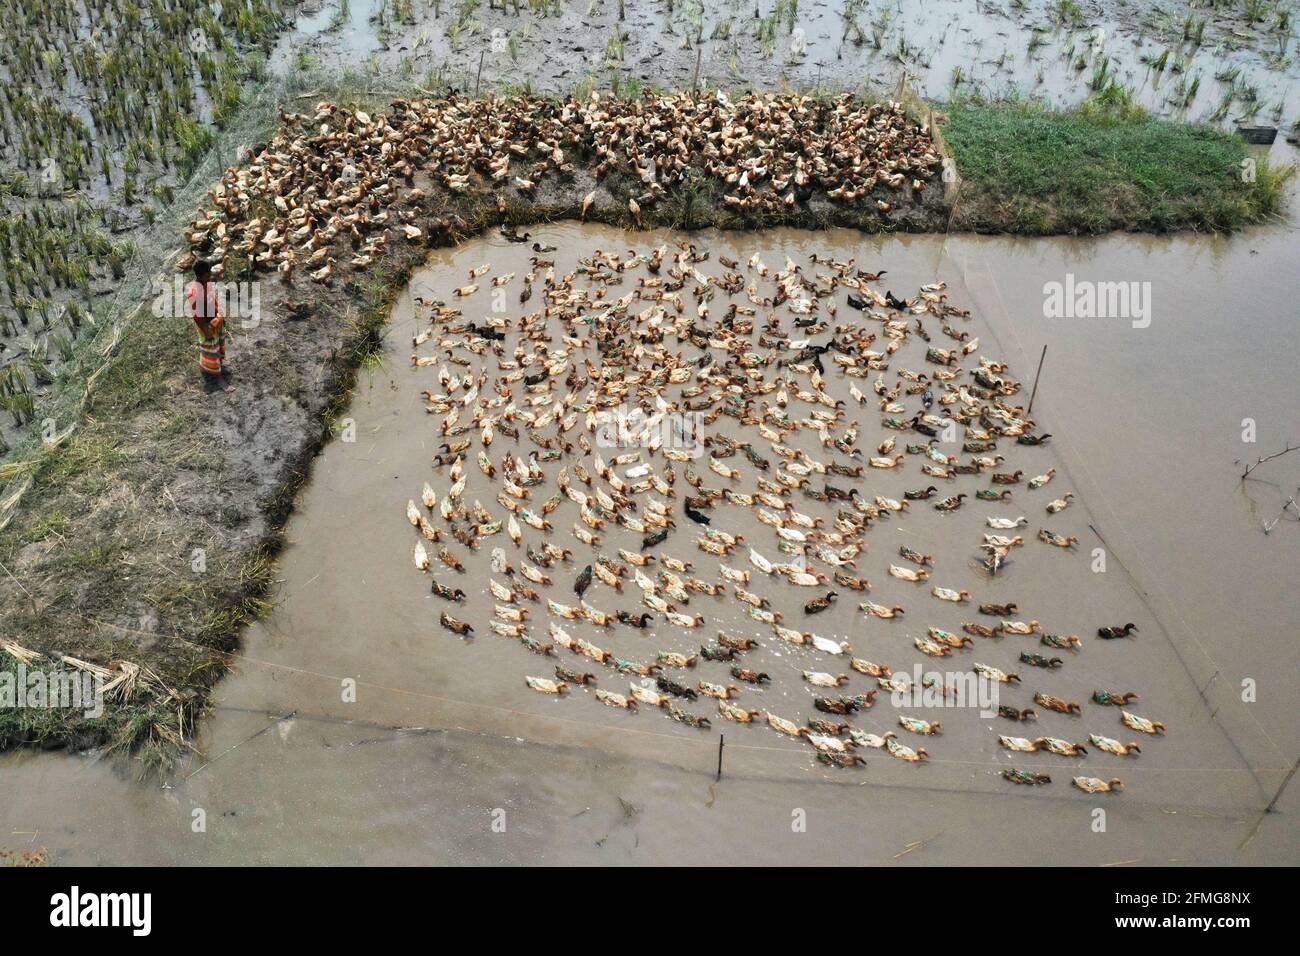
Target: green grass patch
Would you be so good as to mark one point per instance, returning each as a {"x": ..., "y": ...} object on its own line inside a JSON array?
[{"x": 1104, "y": 165}]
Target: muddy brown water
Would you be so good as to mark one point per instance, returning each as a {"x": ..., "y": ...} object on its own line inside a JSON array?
[{"x": 444, "y": 744}]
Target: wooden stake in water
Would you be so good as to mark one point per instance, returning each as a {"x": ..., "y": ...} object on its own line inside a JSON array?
[
  {"x": 721, "y": 739},
  {"x": 1271, "y": 804},
  {"x": 1036, "y": 374}
]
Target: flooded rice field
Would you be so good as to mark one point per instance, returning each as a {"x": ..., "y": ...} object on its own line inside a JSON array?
[
  {"x": 356, "y": 728},
  {"x": 1234, "y": 62}
]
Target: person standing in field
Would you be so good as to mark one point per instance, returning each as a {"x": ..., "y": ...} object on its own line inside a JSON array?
[{"x": 204, "y": 304}]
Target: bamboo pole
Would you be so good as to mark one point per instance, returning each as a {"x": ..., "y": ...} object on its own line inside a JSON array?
[{"x": 1036, "y": 374}]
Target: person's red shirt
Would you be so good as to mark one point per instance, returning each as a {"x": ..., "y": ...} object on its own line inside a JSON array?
[{"x": 204, "y": 306}]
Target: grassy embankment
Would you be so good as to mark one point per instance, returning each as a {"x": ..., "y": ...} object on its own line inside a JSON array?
[
  {"x": 1101, "y": 167},
  {"x": 98, "y": 529}
]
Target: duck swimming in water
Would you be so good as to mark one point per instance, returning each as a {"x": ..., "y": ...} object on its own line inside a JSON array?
[
  {"x": 574, "y": 677},
  {"x": 992, "y": 673},
  {"x": 511, "y": 630},
  {"x": 1006, "y": 524},
  {"x": 546, "y": 685},
  {"x": 686, "y": 717},
  {"x": 1106, "y": 697},
  {"x": 738, "y": 714},
  {"x": 453, "y": 625},
  {"x": 697, "y": 516},
  {"x": 849, "y": 581},
  {"x": 450, "y": 594},
  {"x": 421, "y": 556},
  {"x": 920, "y": 495},
  {"x": 673, "y": 687},
  {"x": 1038, "y": 660},
  {"x": 932, "y": 648},
  {"x": 1067, "y": 641},
  {"x": 1056, "y": 704},
  {"x": 718, "y": 691},
  {"x": 672, "y": 659},
  {"x": 817, "y": 605},
  {"x": 908, "y": 574},
  {"x": 1059, "y": 540},
  {"x": 903, "y": 752},
  {"x": 1035, "y": 483},
  {"x": 869, "y": 668},
  {"x": 843, "y": 705},
  {"x": 1027, "y": 777},
  {"x": 918, "y": 726},
  {"x": 645, "y": 695},
  {"x": 915, "y": 556},
  {"x": 999, "y": 610},
  {"x": 1060, "y": 504},
  {"x": 836, "y": 759},
  {"x": 1010, "y": 713},
  {"x": 684, "y": 620},
  {"x": 787, "y": 727},
  {"x": 611, "y": 699},
  {"x": 822, "y": 679},
  {"x": 1061, "y": 747},
  {"x": 879, "y": 610},
  {"x": 828, "y": 728},
  {"x": 583, "y": 581},
  {"x": 828, "y": 742},
  {"x": 1114, "y": 746},
  {"x": 739, "y": 643},
  {"x": 874, "y": 741},
  {"x": 1097, "y": 785},
  {"x": 715, "y": 652},
  {"x": 1112, "y": 633},
  {"x": 1134, "y": 722}
]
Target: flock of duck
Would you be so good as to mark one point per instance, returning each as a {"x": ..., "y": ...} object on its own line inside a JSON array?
[
  {"x": 334, "y": 187},
  {"x": 681, "y": 390}
]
